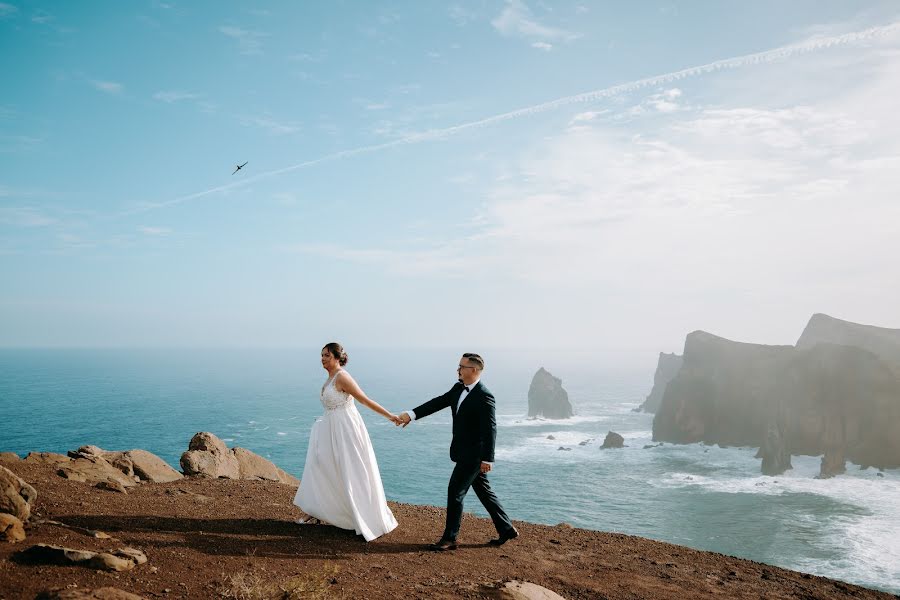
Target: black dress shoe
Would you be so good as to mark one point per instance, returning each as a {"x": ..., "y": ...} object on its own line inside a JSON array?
[
  {"x": 505, "y": 537},
  {"x": 443, "y": 545}
]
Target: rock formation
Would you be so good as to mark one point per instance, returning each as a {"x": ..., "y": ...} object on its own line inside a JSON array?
[
  {"x": 834, "y": 400},
  {"x": 613, "y": 440},
  {"x": 16, "y": 496},
  {"x": 136, "y": 464},
  {"x": 208, "y": 456},
  {"x": 11, "y": 529},
  {"x": 722, "y": 393},
  {"x": 546, "y": 397},
  {"x": 775, "y": 455},
  {"x": 667, "y": 368}
]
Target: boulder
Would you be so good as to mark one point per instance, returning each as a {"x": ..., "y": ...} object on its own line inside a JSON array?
[
  {"x": 519, "y": 590},
  {"x": 47, "y": 458},
  {"x": 547, "y": 397},
  {"x": 93, "y": 469},
  {"x": 667, "y": 368},
  {"x": 254, "y": 466},
  {"x": 11, "y": 529},
  {"x": 16, "y": 496},
  {"x": 207, "y": 456},
  {"x": 104, "y": 593},
  {"x": 613, "y": 440},
  {"x": 140, "y": 464},
  {"x": 150, "y": 467}
]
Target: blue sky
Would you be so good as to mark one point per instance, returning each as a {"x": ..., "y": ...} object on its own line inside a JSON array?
[{"x": 484, "y": 174}]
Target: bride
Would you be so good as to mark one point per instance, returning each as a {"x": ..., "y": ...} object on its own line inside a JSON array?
[{"x": 341, "y": 484}]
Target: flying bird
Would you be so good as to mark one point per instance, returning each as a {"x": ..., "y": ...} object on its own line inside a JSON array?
[{"x": 239, "y": 167}]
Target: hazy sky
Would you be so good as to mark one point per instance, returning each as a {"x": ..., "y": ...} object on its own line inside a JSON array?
[{"x": 471, "y": 174}]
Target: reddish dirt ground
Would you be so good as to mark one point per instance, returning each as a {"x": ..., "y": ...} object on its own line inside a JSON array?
[{"x": 201, "y": 536}]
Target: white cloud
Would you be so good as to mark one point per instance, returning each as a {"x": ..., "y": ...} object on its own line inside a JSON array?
[
  {"x": 249, "y": 42},
  {"x": 461, "y": 15},
  {"x": 174, "y": 96},
  {"x": 542, "y": 46},
  {"x": 23, "y": 216},
  {"x": 516, "y": 19},
  {"x": 271, "y": 125},
  {"x": 154, "y": 231},
  {"x": 109, "y": 87}
]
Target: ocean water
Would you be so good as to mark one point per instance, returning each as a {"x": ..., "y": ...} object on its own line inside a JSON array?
[{"x": 704, "y": 497}]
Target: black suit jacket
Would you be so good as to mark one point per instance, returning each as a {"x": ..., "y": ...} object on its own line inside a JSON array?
[{"x": 474, "y": 423}]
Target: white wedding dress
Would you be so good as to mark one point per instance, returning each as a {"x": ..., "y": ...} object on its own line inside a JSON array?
[{"x": 341, "y": 484}]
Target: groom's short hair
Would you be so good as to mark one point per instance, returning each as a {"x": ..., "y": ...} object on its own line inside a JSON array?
[{"x": 474, "y": 358}]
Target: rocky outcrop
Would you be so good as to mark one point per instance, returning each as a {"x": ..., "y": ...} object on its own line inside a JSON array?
[
  {"x": 208, "y": 456},
  {"x": 880, "y": 341},
  {"x": 613, "y": 440},
  {"x": 838, "y": 401},
  {"x": 546, "y": 397},
  {"x": 254, "y": 466},
  {"x": 667, "y": 368},
  {"x": 722, "y": 394},
  {"x": 16, "y": 496},
  {"x": 139, "y": 464},
  {"x": 94, "y": 469}
]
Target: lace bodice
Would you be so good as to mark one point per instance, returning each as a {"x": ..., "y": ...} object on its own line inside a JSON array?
[{"x": 333, "y": 398}]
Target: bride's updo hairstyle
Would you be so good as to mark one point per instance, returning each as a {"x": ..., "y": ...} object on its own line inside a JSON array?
[{"x": 337, "y": 351}]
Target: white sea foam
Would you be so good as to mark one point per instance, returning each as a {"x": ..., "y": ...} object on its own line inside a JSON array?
[
  {"x": 871, "y": 540},
  {"x": 281, "y": 433},
  {"x": 520, "y": 421}
]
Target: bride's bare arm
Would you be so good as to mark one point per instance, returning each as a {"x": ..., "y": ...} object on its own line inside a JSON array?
[{"x": 345, "y": 383}]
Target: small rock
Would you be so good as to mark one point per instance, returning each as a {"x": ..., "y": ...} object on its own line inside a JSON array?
[
  {"x": 613, "y": 440},
  {"x": 564, "y": 449},
  {"x": 11, "y": 529},
  {"x": 111, "y": 485}
]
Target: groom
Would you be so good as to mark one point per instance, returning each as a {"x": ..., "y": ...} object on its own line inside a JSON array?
[{"x": 472, "y": 449}]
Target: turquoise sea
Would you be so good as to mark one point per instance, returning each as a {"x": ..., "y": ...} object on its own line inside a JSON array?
[{"x": 705, "y": 497}]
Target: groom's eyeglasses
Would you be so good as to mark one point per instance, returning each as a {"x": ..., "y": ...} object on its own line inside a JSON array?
[{"x": 461, "y": 367}]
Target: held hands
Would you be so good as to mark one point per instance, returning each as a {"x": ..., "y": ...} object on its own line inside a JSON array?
[
  {"x": 403, "y": 420},
  {"x": 394, "y": 419}
]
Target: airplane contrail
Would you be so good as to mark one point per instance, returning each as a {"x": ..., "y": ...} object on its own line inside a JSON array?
[{"x": 767, "y": 56}]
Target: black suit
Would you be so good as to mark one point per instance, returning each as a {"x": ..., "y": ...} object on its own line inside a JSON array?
[{"x": 474, "y": 435}]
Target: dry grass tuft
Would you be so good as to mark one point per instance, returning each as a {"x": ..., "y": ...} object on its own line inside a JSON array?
[{"x": 252, "y": 586}]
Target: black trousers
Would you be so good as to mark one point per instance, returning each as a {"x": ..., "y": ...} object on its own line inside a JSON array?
[{"x": 466, "y": 475}]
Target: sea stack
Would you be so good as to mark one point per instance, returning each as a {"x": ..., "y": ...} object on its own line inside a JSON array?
[{"x": 547, "y": 398}]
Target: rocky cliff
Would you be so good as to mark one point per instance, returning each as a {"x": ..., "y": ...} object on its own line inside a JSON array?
[
  {"x": 831, "y": 399},
  {"x": 546, "y": 397},
  {"x": 667, "y": 368},
  {"x": 880, "y": 341}
]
